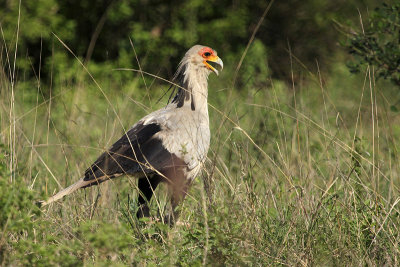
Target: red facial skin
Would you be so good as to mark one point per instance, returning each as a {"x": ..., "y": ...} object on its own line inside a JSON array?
[{"x": 203, "y": 52}]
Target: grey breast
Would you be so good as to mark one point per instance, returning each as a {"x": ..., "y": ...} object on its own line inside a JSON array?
[{"x": 185, "y": 133}]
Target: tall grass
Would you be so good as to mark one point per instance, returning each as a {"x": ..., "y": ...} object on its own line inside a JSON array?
[{"x": 303, "y": 174}]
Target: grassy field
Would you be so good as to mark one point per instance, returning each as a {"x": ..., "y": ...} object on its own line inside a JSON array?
[{"x": 302, "y": 174}]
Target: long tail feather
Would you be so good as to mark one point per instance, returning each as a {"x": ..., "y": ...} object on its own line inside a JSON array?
[{"x": 81, "y": 183}]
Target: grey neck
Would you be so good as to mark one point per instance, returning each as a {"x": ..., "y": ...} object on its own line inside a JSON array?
[{"x": 192, "y": 90}]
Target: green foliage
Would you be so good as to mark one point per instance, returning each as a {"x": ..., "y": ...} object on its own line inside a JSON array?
[
  {"x": 299, "y": 33},
  {"x": 379, "y": 44},
  {"x": 16, "y": 208},
  {"x": 161, "y": 31},
  {"x": 255, "y": 69},
  {"x": 31, "y": 24}
]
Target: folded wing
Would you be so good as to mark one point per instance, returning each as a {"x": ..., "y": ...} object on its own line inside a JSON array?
[{"x": 137, "y": 151}]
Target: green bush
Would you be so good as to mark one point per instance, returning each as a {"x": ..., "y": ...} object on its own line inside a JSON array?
[
  {"x": 378, "y": 45},
  {"x": 16, "y": 201},
  {"x": 161, "y": 31}
]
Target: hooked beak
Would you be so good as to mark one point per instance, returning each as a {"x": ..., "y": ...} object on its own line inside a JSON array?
[{"x": 214, "y": 60}]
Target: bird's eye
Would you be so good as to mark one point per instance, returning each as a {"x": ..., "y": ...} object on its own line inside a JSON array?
[{"x": 207, "y": 54}]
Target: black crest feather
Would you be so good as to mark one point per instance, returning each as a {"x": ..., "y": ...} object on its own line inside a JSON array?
[{"x": 183, "y": 94}]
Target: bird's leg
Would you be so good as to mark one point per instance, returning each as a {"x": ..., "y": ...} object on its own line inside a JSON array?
[
  {"x": 146, "y": 185},
  {"x": 179, "y": 191}
]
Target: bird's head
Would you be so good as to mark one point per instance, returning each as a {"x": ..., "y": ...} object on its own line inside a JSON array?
[
  {"x": 204, "y": 57},
  {"x": 192, "y": 73}
]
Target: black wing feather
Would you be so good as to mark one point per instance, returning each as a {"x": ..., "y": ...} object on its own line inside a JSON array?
[{"x": 129, "y": 154}]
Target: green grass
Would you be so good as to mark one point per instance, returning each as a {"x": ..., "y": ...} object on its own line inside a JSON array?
[{"x": 303, "y": 176}]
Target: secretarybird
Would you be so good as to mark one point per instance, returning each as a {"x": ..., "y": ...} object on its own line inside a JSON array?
[{"x": 168, "y": 145}]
